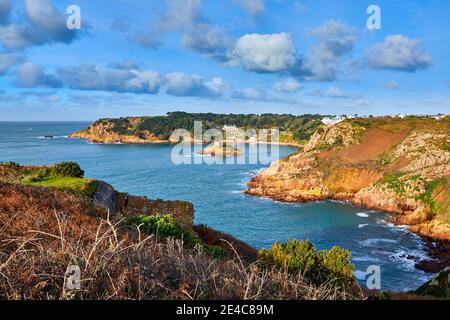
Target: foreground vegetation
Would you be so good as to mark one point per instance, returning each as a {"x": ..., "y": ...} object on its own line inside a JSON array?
[
  {"x": 47, "y": 227},
  {"x": 66, "y": 176},
  {"x": 44, "y": 231}
]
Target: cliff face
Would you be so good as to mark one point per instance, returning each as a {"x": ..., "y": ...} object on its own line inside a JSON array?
[
  {"x": 110, "y": 132},
  {"x": 396, "y": 165}
]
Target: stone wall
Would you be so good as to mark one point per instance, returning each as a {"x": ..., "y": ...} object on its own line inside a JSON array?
[{"x": 183, "y": 212}]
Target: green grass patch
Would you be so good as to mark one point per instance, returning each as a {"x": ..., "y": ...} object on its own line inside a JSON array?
[{"x": 80, "y": 186}]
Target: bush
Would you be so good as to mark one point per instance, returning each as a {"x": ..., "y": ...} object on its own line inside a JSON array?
[
  {"x": 11, "y": 164},
  {"x": 165, "y": 226},
  {"x": 335, "y": 265},
  {"x": 301, "y": 256},
  {"x": 293, "y": 255},
  {"x": 36, "y": 175},
  {"x": 162, "y": 225},
  {"x": 68, "y": 169}
]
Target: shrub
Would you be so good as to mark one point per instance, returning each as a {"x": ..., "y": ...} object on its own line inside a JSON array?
[
  {"x": 293, "y": 255},
  {"x": 165, "y": 226},
  {"x": 335, "y": 265},
  {"x": 318, "y": 267},
  {"x": 36, "y": 175},
  {"x": 162, "y": 225},
  {"x": 11, "y": 164},
  {"x": 68, "y": 169}
]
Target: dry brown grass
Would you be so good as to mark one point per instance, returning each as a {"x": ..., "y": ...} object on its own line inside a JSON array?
[{"x": 44, "y": 231}]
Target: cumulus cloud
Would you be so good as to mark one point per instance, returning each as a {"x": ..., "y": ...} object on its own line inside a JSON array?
[
  {"x": 264, "y": 52},
  {"x": 288, "y": 85},
  {"x": 398, "y": 52},
  {"x": 254, "y": 7},
  {"x": 335, "y": 37},
  {"x": 5, "y": 11},
  {"x": 197, "y": 33},
  {"x": 183, "y": 85},
  {"x": 208, "y": 39},
  {"x": 88, "y": 77},
  {"x": 29, "y": 75},
  {"x": 323, "y": 60},
  {"x": 8, "y": 60},
  {"x": 43, "y": 24}
]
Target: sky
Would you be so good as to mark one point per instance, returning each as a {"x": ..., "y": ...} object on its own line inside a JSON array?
[{"x": 134, "y": 58}]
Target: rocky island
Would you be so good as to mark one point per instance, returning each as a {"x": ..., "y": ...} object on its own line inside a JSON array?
[
  {"x": 220, "y": 149},
  {"x": 396, "y": 165}
]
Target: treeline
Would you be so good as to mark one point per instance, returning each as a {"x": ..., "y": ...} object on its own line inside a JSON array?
[{"x": 301, "y": 127}]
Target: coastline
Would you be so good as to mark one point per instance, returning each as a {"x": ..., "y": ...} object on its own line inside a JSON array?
[
  {"x": 150, "y": 142},
  {"x": 425, "y": 265}
]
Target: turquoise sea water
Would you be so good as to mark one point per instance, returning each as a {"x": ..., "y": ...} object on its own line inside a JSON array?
[{"x": 216, "y": 192}]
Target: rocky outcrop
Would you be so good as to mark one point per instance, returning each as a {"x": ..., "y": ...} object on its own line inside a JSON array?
[
  {"x": 397, "y": 165},
  {"x": 105, "y": 196},
  {"x": 438, "y": 287},
  {"x": 217, "y": 149},
  {"x": 107, "y": 133}
]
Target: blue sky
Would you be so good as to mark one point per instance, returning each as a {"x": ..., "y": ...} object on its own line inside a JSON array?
[{"x": 227, "y": 56}]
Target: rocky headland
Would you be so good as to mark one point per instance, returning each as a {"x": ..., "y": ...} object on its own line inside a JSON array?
[{"x": 401, "y": 166}]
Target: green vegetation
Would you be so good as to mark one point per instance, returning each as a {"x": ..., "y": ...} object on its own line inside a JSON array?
[
  {"x": 394, "y": 183},
  {"x": 446, "y": 147},
  {"x": 68, "y": 169},
  {"x": 83, "y": 187},
  {"x": 301, "y": 256},
  {"x": 300, "y": 127},
  {"x": 165, "y": 226},
  {"x": 66, "y": 176}
]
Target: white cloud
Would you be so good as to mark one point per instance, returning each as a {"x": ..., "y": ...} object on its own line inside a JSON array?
[
  {"x": 257, "y": 94},
  {"x": 288, "y": 85},
  {"x": 323, "y": 61},
  {"x": 197, "y": 33},
  {"x": 254, "y": 7},
  {"x": 88, "y": 77},
  {"x": 30, "y": 75},
  {"x": 8, "y": 60},
  {"x": 183, "y": 85},
  {"x": 43, "y": 24},
  {"x": 333, "y": 92},
  {"x": 205, "y": 38},
  {"x": 398, "y": 52},
  {"x": 335, "y": 37},
  {"x": 265, "y": 52}
]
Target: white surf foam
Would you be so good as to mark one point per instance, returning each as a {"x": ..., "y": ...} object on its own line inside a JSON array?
[{"x": 362, "y": 215}]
